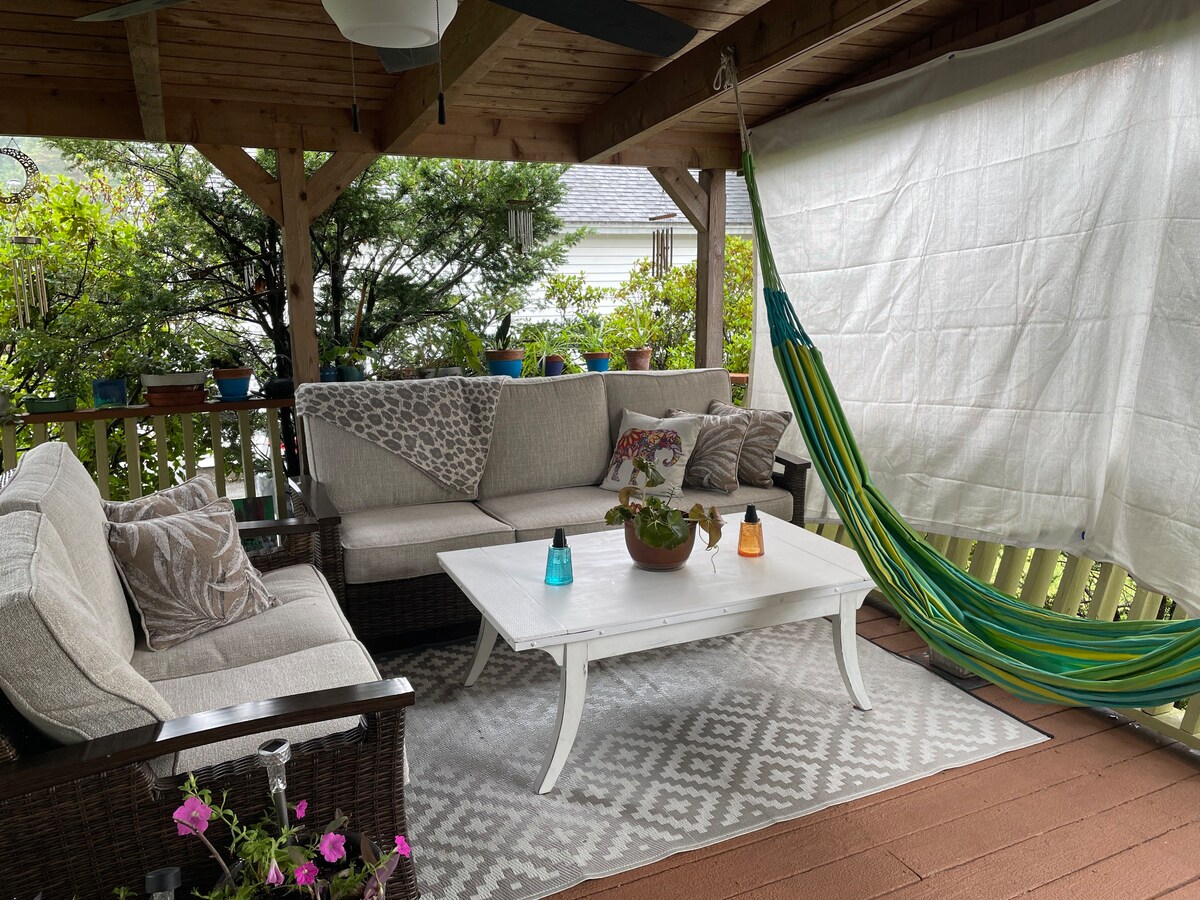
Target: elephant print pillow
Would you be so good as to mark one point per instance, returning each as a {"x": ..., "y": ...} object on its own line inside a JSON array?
[{"x": 668, "y": 442}]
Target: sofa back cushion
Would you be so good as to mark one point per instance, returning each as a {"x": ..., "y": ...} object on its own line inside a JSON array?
[
  {"x": 358, "y": 474},
  {"x": 51, "y": 481},
  {"x": 550, "y": 433},
  {"x": 653, "y": 393},
  {"x": 56, "y": 670}
]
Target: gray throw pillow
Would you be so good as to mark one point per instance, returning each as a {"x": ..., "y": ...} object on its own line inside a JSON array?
[
  {"x": 195, "y": 493},
  {"x": 757, "y": 461},
  {"x": 187, "y": 573},
  {"x": 714, "y": 460}
]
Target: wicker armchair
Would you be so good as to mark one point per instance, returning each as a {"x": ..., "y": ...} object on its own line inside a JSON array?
[
  {"x": 83, "y": 819},
  {"x": 433, "y": 607}
]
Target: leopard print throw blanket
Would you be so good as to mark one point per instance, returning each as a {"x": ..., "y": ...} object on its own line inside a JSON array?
[{"x": 442, "y": 426}]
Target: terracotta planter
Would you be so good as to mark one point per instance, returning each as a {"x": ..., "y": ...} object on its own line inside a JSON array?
[
  {"x": 655, "y": 559},
  {"x": 638, "y": 360}
]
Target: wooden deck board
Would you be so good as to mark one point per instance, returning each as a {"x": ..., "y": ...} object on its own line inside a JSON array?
[{"x": 1101, "y": 810}]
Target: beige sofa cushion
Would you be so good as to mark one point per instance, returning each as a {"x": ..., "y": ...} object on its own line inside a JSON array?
[
  {"x": 57, "y": 667},
  {"x": 549, "y": 433},
  {"x": 358, "y": 474},
  {"x": 308, "y": 616},
  {"x": 653, "y": 393},
  {"x": 50, "y": 480},
  {"x": 403, "y": 542},
  {"x": 581, "y": 510},
  {"x": 317, "y": 668}
]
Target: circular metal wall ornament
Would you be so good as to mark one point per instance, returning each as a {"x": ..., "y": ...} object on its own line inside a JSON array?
[{"x": 31, "y": 174}]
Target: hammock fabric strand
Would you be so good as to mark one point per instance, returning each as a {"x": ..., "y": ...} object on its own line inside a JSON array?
[{"x": 1034, "y": 653}]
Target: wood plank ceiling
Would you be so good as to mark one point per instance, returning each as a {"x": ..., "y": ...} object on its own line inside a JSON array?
[{"x": 278, "y": 73}]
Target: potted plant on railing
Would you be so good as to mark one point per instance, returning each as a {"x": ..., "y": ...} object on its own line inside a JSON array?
[
  {"x": 550, "y": 347},
  {"x": 640, "y": 328},
  {"x": 503, "y": 359},
  {"x": 658, "y": 536},
  {"x": 163, "y": 386},
  {"x": 591, "y": 337},
  {"x": 231, "y": 374}
]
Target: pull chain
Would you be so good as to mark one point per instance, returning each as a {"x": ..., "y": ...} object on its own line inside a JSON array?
[
  {"x": 354, "y": 114},
  {"x": 437, "y": 7}
]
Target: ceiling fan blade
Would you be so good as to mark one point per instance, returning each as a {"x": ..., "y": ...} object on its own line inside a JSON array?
[
  {"x": 401, "y": 59},
  {"x": 616, "y": 21},
  {"x": 126, "y": 10}
]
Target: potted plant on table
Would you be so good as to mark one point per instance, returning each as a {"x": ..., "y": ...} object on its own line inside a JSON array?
[
  {"x": 658, "y": 536},
  {"x": 503, "y": 359},
  {"x": 591, "y": 337},
  {"x": 640, "y": 328},
  {"x": 550, "y": 345},
  {"x": 231, "y": 374}
]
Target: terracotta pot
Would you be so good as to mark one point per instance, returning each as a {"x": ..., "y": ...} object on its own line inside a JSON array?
[
  {"x": 239, "y": 372},
  {"x": 655, "y": 559},
  {"x": 638, "y": 360}
]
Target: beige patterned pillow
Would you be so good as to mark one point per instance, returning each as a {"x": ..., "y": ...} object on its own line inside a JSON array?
[
  {"x": 187, "y": 573},
  {"x": 195, "y": 493},
  {"x": 757, "y": 461},
  {"x": 714, "y": 460}
]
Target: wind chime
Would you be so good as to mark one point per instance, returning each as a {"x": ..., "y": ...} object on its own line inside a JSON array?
[
  {"x": 520, "y": 224},
  {"x": 28, "y": 273},
  {"x": 663, "y": 247}
]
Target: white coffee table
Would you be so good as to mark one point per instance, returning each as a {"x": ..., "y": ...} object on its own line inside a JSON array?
[{"x": 613, "y": 608}]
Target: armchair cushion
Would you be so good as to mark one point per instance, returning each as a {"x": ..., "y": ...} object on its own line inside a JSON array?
[
  {"x": 70, "y": 682},
  {"x": 187, "y": 573},
  {"x": 403, "y": 542}
]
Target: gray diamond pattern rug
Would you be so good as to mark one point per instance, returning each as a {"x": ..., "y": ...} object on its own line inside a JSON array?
[{"x": 679, "y": 748}]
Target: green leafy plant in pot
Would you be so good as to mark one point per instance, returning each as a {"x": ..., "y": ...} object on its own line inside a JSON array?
[
  {"x": 640, "y": 328},
  {"x": 660, "y": 536},
  {"x": 592, "y": 337},
  {"x": 503, "y": 359}
]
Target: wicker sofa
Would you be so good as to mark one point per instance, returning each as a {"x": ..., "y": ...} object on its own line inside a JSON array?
[
  {"x": 383, "y": 522},
  {"x": 97, "y": 732}
]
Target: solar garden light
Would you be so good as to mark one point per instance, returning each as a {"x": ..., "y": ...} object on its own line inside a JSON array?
[
  {"x": 162, "y": 883},
  {"x": 273, "y": 756}
]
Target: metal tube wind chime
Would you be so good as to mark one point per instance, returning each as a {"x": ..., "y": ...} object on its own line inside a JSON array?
[
  {"x": 663, "y": 247},
  {"x": 520, "y": 224},
  {"x": 28, "y": 272}
]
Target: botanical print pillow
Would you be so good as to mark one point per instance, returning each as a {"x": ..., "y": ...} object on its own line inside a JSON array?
[
  {"x": 187, "y": 573},
  {"x": 766, "y": 429},
  {"x": 667, "y": 442},
  {"x": 195, "y": 493},
  {"x": 714, "y": 460}
]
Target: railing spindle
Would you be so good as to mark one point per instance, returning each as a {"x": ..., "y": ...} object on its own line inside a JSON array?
[
  {"x": 940, "y": 542},
  {"x": 214, "y": 422},
  {"x": 983, "y": 561},
  {"x": 189, "y": 446},
  {"x": 39, "y": 433},
  {"x": 8, "y": 444},
  {"x": 1070, "y": 594},
  {"x": 246, "y": 440},
  {"x": 162, "y": 451},
  {"x": 133, "y": 458},
  {"x": 1012, "y": 566},
  {"x": 1109, "y": 587},
  {"x": 100, "y": 436},
  {"x": 273, "y": 435},
  {"x": 1036, "y": 589},
  {"x": 70, "y": 432},
  {"x": 1145, "y": 605}
]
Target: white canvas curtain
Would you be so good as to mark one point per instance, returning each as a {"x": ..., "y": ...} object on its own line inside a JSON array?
[{"x": 999, "y": 255}]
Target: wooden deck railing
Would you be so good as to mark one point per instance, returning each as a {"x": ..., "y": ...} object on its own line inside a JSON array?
[
  {"x": 1073, "y": 585},
  {"x": 133, "y": 435}
]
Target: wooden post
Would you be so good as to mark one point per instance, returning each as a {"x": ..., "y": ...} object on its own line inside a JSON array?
[
  {"x": 710, "y": 274},
  {"x": 298, "y": 264}
]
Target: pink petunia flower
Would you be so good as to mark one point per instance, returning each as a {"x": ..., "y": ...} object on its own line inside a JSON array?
[
  {"x": 402, "y": 846},
  {"x": 301, "y": 809},
  {"x": 274, "y": 875},
  {"x": 192, "y": 817},
  {"x": 306, "y": 874},
  {"x": 333, "y": 846}
]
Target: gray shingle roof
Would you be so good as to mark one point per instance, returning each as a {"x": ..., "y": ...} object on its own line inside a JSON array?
[{"x": 615, "y": 195}]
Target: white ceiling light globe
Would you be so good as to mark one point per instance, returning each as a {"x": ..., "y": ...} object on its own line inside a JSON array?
[{"x": 392, "y": 23}]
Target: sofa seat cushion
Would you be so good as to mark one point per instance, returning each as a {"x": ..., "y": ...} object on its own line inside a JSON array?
[
  {"x": 581, "y": 510},
  {"x": 308, "y": 617},
  {"x": 314, "y": 669},
  {"x": 51, "y": 481},
  {"x": 403, "y": 542},
  {"x": 56, "y": 667}
]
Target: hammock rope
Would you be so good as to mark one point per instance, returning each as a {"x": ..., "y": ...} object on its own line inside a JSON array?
[{"x": 1034, "y": 653}]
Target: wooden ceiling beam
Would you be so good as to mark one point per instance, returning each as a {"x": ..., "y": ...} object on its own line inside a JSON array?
[
  {"x": 780, "y": 33},
  {"x": 337, "y": 174},
  {"x": 685, "y": 190},
  {"x": 141, "y": 34},
  {"x": 473, "y": 44},
  {"x": 244, "y": 171}
]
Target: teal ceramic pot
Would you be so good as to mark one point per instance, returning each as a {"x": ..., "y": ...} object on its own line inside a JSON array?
[{"x": 349, "y": 373}]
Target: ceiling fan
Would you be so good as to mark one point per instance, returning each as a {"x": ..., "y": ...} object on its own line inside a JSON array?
[{"x": 406, "y": 33}]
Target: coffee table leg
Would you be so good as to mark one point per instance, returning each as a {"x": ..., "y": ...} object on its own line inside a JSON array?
[
  {"x": 845, "y": 645},
  {"x": 483, "y": 650},
  {"x": 572, "y": 691}
]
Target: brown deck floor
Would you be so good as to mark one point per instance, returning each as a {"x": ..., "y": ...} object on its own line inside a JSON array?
[{"x": 1103, "y": 811}]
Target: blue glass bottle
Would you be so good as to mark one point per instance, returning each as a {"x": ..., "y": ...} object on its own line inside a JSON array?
[{"x": 558, "y": 561}]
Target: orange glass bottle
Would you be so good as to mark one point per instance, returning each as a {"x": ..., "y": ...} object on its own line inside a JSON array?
[{"x": 750, "y": 540}]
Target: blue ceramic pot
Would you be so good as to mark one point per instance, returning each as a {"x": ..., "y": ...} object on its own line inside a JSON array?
[
  {"x": 553, "y": 365},
  {"x": 510, "y": 367},
  {"x": 108, "y": 392},
  {"x": 595, "y": 362},
  {"x": 329, "y": 373},
  {"x": 349, "y": 373}
]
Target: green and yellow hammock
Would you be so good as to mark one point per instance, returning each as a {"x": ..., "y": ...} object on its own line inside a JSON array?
[{"x": 1034, "y": 653}]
